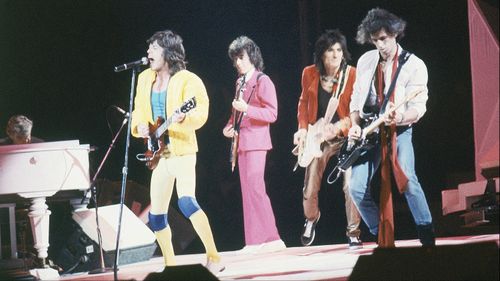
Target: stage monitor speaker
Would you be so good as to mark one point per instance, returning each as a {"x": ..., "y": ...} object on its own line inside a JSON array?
[
  {"x": 475, "y": 261},
  {"x": 74, "y": 244},
  {"x": 182, "y": 272}
]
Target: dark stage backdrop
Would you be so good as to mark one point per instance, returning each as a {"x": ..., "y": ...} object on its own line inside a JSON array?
[{"x": 56, "y": 66}]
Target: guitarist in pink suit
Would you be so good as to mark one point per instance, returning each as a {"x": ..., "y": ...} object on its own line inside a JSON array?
[
  {"x": 329, "y": 78},
  {"x": 257, "y": 108},
  {"x": 161, "y": 90}
]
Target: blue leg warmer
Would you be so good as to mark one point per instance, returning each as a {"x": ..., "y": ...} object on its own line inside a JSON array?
[
  {"x": 188, "y": 205},
  {"x": 158, "y": 222}
]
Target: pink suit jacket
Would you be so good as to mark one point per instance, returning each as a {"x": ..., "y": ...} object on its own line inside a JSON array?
[{"x": 262, "y": 111}]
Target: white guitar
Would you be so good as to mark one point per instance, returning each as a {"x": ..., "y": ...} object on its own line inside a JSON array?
[{"x": 310, "y": 146}]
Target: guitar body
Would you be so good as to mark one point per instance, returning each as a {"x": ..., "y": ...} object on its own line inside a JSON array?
[
  {"x": 155, "y": 141},
  {"x": 312, "y": 144},
  {"x": 349, "y": 154},
  {"x": 352, "y": 150},
  {"x": 237, "y": 116},
  {"x": 311, "y": 147},
  {"x": 156, "y": 146},
  {"x": 233, "y": 157}
]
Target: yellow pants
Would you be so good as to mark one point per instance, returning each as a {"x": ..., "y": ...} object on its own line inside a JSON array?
[{"x": 179, "y": 170}]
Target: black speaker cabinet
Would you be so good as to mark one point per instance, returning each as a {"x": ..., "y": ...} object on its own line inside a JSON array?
[
  {"x": 182, "y": 272},
  {"x": 476, "y": 261},
  {"x": 74, "y": 244}
]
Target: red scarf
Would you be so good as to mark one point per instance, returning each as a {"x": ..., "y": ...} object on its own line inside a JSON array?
[{"x": 388, "y": 157}]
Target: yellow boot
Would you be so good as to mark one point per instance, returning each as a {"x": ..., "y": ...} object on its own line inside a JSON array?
[
  {"x": 202, "y": 228},
  {"x": 164, "y": 238}
]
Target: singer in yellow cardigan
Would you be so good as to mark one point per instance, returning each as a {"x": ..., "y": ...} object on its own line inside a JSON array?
[
  {"x": 161, "y": 90},
  {"x": 181, "y": 87}
]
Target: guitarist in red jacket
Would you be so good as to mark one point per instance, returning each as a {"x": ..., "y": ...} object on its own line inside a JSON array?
[{"x": 328, "y": 83}]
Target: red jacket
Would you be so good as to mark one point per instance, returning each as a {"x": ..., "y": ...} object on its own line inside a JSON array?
[{"x": 308, "y": 103}]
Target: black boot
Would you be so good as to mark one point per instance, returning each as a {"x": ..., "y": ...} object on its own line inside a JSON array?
[{"x": 426, "y": 235}]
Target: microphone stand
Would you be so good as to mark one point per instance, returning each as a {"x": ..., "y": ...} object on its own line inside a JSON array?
[
  {"x": 93, "y": 189},
  {"x": 124, "y": 173}
]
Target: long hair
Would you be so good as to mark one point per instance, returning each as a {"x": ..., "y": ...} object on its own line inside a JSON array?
[
  {"x": 378, "y": 19},
  {"x": 173, "y": 50},
  {"x": 244, "y": 43},
  {"x": 324, "y": 42}
]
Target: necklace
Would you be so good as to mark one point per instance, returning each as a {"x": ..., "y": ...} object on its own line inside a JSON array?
[{"x": 327, "y": 79}]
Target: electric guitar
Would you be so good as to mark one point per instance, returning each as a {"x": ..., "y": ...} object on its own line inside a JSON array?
[
  {"x": 155, "y": 143},
  {"x": 352, "y": 149},
  {"x": 233, "y": 154},
  {"x": 310, "y": 147}
]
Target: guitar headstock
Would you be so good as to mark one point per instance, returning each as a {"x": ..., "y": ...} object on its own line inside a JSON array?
[
  {"x": 241, "y": 81},
  {"x": 188, "y": 105}
]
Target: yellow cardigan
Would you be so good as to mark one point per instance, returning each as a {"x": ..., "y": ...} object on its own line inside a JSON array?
[{"x": 181, "y": 87}]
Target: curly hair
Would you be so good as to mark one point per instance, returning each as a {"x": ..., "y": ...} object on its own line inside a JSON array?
[
  {"x": 244, "y": 43},
  {"x": 378, "y": 19},
  {"x": 173, "y": 50},
  {"x": 324, "y": 42}
]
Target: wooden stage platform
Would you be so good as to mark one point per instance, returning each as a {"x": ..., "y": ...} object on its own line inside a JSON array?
[{"x": 326, "y": 262}]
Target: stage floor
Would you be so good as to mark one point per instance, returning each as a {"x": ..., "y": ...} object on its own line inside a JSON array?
[{"x": 327, "y": 262}]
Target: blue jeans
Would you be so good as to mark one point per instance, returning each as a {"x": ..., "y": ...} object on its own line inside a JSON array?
[{"x": 362, "y": 174}]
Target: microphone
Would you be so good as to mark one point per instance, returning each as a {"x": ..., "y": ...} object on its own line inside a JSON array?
[
  {"x": 120, "y": 110},
  {"x": 125, "y": 66}
]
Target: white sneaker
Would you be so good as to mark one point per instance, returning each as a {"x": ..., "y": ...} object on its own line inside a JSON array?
[
  {"x": 309, "y": 231},
  {"x": 249, "y": 249},
  {"x": 271, "y": 247},
  {"x": 215, "y": 267},
  {"x": 354, "y": 243}
]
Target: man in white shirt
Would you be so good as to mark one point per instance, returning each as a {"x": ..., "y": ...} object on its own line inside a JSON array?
[{"x": 376, "y": 70}]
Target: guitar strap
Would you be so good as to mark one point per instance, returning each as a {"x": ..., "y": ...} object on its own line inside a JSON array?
[
  {"x": 237, "y": 125},
  {"x": 330, "y": 111},
  {"x": 342, "y": 80},
  {"x": 403, "y": 57}
]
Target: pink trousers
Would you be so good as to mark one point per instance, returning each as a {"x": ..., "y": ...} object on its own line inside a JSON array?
[{"x": 258, "y": 218}]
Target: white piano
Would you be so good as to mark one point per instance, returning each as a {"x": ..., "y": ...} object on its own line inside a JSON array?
[{"x": 39, "y": 170}]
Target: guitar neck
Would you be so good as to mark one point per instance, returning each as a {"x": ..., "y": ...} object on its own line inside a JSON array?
[
  {"x": 375, "y": 124},
  {"x": 237, "y": 114},
  {"x": 185, "y": 108},
  {"x": 370, "y": 128},
  {"x": 163, "y": 127}
]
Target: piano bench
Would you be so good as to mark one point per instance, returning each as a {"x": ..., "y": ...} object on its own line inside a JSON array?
[{"x": 12, "y": 227}]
